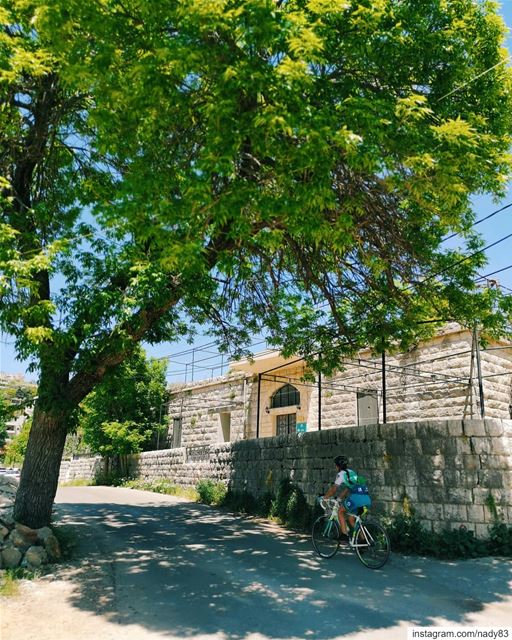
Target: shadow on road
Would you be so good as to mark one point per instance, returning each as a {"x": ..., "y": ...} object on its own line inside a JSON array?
[{"x": 189, "y": 570}]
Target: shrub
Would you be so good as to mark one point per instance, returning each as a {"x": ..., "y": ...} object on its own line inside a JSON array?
[
  {"x": 240, "y": 502},
  {"x": 500, "y": 539},
  {"x": 264, "y": 504},
  {"x": 290, "y": 506},
  {"x": 211, "y": 492}
]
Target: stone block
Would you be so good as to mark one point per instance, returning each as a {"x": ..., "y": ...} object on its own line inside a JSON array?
[
  {"x": 11, "y": 557},
  {"x": 490, "y": 479},
  {"x": 455, "y": 427},
  {"x": 432, "y": 429},
  {"x": 490, "y": 514},
  {"x": 431, "y": 493},
  {"x": 482, "y": 496},
  {"x": 411, "y": 492},
  {"x": 35, "y": 557},
  {"x": 471, "y": 462},
  {"x": 475, "y": 513},
  {"x": 413, "y": 447},
  {"x": 394, "y": 447},
  {"x": 494, "y": 427},
  {"x": 456, "y": 512},
  {"x": 501, "y": 446},
  {"x": 430, "y": 511},
  {"x": 474, "y": 428},
  {"x": 499, "y": 462},
  {"x": 482, "y": 530},
  {"x": 372, "y": 432},
  {"x": 427, "y": 525},
  {"x": 459, "y": 495},
  {"x": 481, "y": 445}
]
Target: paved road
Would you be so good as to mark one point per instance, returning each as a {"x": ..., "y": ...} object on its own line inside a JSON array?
[{"x": 159, "y": 567}]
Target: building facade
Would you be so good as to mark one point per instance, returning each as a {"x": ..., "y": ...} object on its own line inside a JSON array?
[{"x": 446, "y": 377}]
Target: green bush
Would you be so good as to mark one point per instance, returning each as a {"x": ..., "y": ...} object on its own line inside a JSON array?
[
  {"x": 211, "y": 492},
  {"x": 240, "y": 502},
  {"x": 290, "y": 506},
  {"x": 264, "y": 504},
  {"x": 459, "y": 543},
  {"x": 500, "y": 540},
  {"x": 279, "y": 504},
  {"x": 407, "y": 535}
]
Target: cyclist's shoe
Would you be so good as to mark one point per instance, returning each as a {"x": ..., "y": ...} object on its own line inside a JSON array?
[{"x": 343, "y": 538}]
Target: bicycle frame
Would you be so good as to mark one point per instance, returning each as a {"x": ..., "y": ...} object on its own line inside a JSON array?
[{"x": 333, "y": 504}]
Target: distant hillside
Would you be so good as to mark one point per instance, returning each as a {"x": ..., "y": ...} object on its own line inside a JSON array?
[{"x": 17, "y": 392}]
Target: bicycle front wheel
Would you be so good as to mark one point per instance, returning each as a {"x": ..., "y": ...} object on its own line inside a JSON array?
[
  {"x": 326, "y": 536},
  {"x": 372, "y": 545}
]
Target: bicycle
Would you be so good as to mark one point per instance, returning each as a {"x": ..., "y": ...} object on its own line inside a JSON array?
[{"x": 367, "y": 538}]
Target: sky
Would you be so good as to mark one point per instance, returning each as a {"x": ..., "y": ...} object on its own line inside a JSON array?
[{"x": 493, "y": 230}]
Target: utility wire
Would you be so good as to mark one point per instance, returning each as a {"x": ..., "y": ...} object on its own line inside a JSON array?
[{"x": 507, "y": 206}]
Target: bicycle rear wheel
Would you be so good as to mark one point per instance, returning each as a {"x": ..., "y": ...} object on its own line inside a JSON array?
[
  {"x": 325, "y": 536},
  {"x": 372, "y": 546}
]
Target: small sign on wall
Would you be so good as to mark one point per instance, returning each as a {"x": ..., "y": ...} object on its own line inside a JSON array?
[{"x": 302, "y": 427}]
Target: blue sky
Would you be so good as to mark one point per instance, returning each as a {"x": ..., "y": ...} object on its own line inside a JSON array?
[{"x": 492, "y": 230}]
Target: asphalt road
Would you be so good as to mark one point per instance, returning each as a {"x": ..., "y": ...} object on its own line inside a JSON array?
[{"x": 153, "y": 566}]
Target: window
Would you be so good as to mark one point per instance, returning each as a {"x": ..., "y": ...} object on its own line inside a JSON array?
[
  {"x": 286, "y": 424},
  {"x": 367, "y": 408},
  {"x": 224, "y": 427},
  {"x": 286, "y": 396},
  {"x": 176, "y": 432}
]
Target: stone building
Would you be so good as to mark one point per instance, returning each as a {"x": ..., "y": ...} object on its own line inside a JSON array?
[{"x": 446, "y": 377}]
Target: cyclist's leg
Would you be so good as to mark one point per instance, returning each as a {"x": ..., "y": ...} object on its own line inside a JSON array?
[
  {"x": 353, "y": 503},
  {"x": 342, "y": 519}
]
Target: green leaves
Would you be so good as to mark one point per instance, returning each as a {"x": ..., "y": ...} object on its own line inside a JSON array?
[{"x": 126, "y": 409}]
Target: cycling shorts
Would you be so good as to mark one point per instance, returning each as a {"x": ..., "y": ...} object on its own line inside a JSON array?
[{"x": 355, "y": 501}]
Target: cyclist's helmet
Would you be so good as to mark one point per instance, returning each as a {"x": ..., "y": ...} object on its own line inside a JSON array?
[{"x": 341, "y": 462}]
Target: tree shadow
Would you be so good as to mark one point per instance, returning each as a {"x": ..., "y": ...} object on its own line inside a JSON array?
[{"x": 187, "y": 569}]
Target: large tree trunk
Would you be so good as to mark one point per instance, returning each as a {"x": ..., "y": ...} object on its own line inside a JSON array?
[{"x": 40, "y": 473}]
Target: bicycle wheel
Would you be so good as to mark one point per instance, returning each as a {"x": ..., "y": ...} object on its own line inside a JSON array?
[
  {"x": 325, "y": 536},
  {"x": 372, "y": 546}
]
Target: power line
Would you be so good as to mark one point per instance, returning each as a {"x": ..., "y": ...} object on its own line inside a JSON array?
[
  {"x": 493, "y": 273},
  {"x": 465, "y": 84},
  {"x": 507, "y": 206}
]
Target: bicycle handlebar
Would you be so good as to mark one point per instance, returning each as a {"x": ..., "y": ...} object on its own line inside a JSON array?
[{"x": 327, "y": 504}]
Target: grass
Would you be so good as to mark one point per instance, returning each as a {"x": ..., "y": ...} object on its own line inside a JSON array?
[
  {"x": 10, "y": 580},
  {"x": 78, "y": 482},
  {"x": 161, "y": 486}
]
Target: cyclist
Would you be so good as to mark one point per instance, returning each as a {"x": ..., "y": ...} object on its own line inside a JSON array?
[{"x": 350, "y": 494}]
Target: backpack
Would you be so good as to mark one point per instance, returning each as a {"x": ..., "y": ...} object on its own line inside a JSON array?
[{"x": 356, "y": 484}]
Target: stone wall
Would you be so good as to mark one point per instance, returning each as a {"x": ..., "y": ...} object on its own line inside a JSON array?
[
  {"x": 87, "y": 468},
  {"x": 449, "y": 470}
]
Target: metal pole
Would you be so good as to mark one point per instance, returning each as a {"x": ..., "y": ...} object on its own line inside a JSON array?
[
  {"x": 258, "y": 408},
  {"x": 319, "y": 401},
  {"x": 479, "y": 372},
  {"x": 384, "y": 403}
]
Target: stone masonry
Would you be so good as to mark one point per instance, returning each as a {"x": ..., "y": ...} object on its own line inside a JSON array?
[{"x": 452, "y": 472}]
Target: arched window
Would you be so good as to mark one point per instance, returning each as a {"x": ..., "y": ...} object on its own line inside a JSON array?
[{"x": 286, "y": 396}]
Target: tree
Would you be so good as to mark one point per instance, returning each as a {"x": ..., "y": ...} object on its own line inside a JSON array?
[
  {"x": 126, "y": 409},
  {"x": 16, "y": 449},
  {"x": 244, "y": 162}
]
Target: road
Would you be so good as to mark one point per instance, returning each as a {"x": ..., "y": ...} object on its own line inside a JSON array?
[{"x": 150, "y": 566}]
